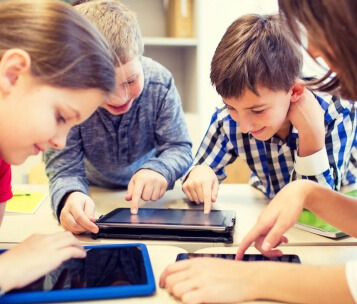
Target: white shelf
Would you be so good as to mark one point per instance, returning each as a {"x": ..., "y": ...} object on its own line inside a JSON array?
[{"x": 167, "y": 41}]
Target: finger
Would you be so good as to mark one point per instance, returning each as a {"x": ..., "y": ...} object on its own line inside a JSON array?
[
  {"x": 178, "y": 266},
  {"x": 275, "y": 236},
  {"x": 187, "y": 193},
  {"x": 70, "y": 252},
  {"x": 162, "y": 190},
  {"x": 156, "y": 193},
  {"x": 207, "y": 197},
  {"x": 85, "y": 224},
  {"x": 64, "y": 239},
  {"x": 215, "y": 189},
  {"x": 138, "y": 188},
  {"x": 147, "y": 192},
  {"x": 129, "y": 194},
  {"x": 89, "y": 210},
  {"x": 247, "y": 241}
]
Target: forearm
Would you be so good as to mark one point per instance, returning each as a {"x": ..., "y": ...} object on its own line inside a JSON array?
[
  {"x": 334, "y": 207},
  {"x": 302, "y": 284}
]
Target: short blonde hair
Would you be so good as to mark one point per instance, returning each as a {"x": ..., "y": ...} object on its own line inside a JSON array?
[{"x": 119, "y": 26}]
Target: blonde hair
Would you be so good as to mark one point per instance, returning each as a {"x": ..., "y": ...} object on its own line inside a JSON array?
[
  {"x": 255, "y": 50},
  {"x": 119, "y": 26},
  {"x": 66, "y": 50}
]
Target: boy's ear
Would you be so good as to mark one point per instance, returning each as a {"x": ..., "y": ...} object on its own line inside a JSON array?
[
  {"x": 297, "y": 90},
  {"x": 13, "y": 63}
]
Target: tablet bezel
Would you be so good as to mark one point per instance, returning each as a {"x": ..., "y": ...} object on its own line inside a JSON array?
[
  {"x": 92, "y": 293},
  {"x": 227, "y": 225}
]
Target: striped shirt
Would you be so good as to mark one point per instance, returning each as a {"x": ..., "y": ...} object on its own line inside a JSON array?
[{"x": 275, "y": 162}]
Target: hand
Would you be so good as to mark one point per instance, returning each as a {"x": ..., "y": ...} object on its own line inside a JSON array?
[
  {"x": 146, "y": 184},
  {"x": 202, "y": 185},
  {"x": 307, "y": 116},
  {"x": 277, "y": 218},
  {"x": 77, "y": 214},
  {"x": 35, "y": 257},
  {"x": 210, "y": 280}
]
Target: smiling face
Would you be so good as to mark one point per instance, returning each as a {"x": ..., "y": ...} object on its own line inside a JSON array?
[
  {"x": 35, "y": 117},
  {"x": 130, "y": 84},
  {"x": 262, "y": 116}
]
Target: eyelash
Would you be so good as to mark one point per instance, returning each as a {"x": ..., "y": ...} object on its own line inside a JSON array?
[
  {"x": 257, "y": 112},
  {"x": 131, "y": 81},
  {"x": 253, "y": 111}
]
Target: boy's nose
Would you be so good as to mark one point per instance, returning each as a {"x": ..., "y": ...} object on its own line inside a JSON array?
[
  {"x": 59, "y": 141},
  {"x": 245, "y": 125}
]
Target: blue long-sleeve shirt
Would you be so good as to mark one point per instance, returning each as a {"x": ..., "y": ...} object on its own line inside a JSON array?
[
  {"x": 275, "y": 162},
  {"x": 106, "y": 150}
]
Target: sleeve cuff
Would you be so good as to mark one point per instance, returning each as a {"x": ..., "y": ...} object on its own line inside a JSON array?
[{"x": 314, "y": 164}]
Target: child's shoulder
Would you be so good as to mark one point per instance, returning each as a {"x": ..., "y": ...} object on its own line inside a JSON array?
[
  {"x": 153, "y": 68},
  {"x": 334, "y": 106}
]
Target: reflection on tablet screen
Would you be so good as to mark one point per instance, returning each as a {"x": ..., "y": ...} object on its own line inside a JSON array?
[
  {"x": 288, "y": 258},
  {"x": 101, "y": 267},
  {"x": 167, "y": 216}
]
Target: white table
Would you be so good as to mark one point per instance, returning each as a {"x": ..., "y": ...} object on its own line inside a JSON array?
[{"x": 245, "y": 200}]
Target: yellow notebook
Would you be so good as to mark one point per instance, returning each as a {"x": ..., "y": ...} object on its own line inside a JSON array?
[{"x": 25, "y": 202}]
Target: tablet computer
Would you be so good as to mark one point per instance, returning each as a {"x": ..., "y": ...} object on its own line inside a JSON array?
[
  {"x": 289, "y": 258},
  {"x": 107, "y": 272},
  {"x": 182, "y": 219}
]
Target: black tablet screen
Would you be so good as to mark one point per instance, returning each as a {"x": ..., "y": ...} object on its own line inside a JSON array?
[
  {"x": 289, "y": 258},
  {"x": 166, "y": 217},
  {"x": 101, "y": 267}
]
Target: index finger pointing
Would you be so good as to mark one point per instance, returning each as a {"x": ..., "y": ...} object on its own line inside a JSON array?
[
  {"x": 207, "y": 197},
  {"x": 250, "y": 238}
]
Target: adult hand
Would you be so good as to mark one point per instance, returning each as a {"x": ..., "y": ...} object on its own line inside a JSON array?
[
  {"x": 145, "y": 184},
  {"x": 210, "y": 280},
  {"x": 307, "y": 116},
  {"x": 77, "y": 214},
  {"x": 35, "y": 257},
  {"x": 201, "y": 186},
  {"x": 277, "y": 218}
]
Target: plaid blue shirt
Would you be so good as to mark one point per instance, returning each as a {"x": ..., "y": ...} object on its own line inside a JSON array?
[{"x": 274, "y": 162}]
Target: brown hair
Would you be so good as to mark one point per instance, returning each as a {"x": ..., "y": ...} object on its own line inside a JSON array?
[
  {"x": 333, "y": 25},
  {"x": 255, "y": 50},
  {"x": 65, "y": 49},
  {"x": 119, "y": 26}
]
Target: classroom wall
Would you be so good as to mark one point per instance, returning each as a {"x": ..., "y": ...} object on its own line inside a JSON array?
[{"x": 213, "y": 18}]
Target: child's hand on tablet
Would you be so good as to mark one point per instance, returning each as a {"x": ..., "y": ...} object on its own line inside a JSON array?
[
  {"x": 77, "y": 214},
  {"x": 147, "y": 185},
  {"x": 36, "y": 256},
  {"x": 201, "y": 186}
]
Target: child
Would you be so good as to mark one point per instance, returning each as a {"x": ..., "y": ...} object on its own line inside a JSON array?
[
  {"x": 334, "y": 23},
  {"x": 46, "y": 87},
  {"x": 141, "y": 142},
  {"x": 281, "y": 130}
]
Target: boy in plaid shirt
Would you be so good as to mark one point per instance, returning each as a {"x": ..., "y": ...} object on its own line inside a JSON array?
[{"x": 280, "y": 129}]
